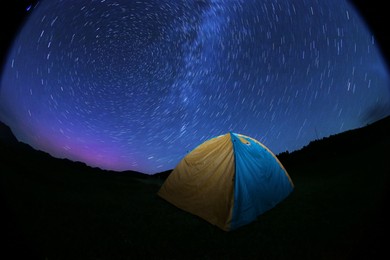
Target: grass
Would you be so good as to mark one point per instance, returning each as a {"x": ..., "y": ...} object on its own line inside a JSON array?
[{"x": 335, "y": 212}]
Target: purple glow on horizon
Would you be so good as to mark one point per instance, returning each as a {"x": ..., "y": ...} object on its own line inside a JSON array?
[{"x": 129, "y": 85}]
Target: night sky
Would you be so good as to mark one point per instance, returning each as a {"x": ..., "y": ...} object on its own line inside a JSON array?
[{"x": 136, "y": 85}]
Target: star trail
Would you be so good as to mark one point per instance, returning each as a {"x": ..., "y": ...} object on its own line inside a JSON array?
[{"x": 136, "y": 85}]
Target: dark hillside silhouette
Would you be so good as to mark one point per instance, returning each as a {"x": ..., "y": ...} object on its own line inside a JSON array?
[
  {"x": 53, "y": 207},
  {"x": 340, "y": 145},
  {"x": 15, "y": 152},
  {"x": 58, "y": 209}
]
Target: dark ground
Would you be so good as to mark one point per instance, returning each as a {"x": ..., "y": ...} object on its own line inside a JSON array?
[
  {"x": 53, "y": 209},
  {"x": 57, "y": 209}
]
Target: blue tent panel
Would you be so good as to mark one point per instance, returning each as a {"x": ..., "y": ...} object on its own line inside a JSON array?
[{"x": 260, "y": 180}]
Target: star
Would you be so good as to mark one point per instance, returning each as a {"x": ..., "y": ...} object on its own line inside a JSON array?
[{"x": 135, "y": 85}]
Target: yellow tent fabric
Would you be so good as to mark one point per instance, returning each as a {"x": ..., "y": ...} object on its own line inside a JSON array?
[
  {"x": 202, "y": 183},
  {"x": 228, "y": 181}
]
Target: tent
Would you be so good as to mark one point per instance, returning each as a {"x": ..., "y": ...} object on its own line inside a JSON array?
[{"x": 228, "y": 180}]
